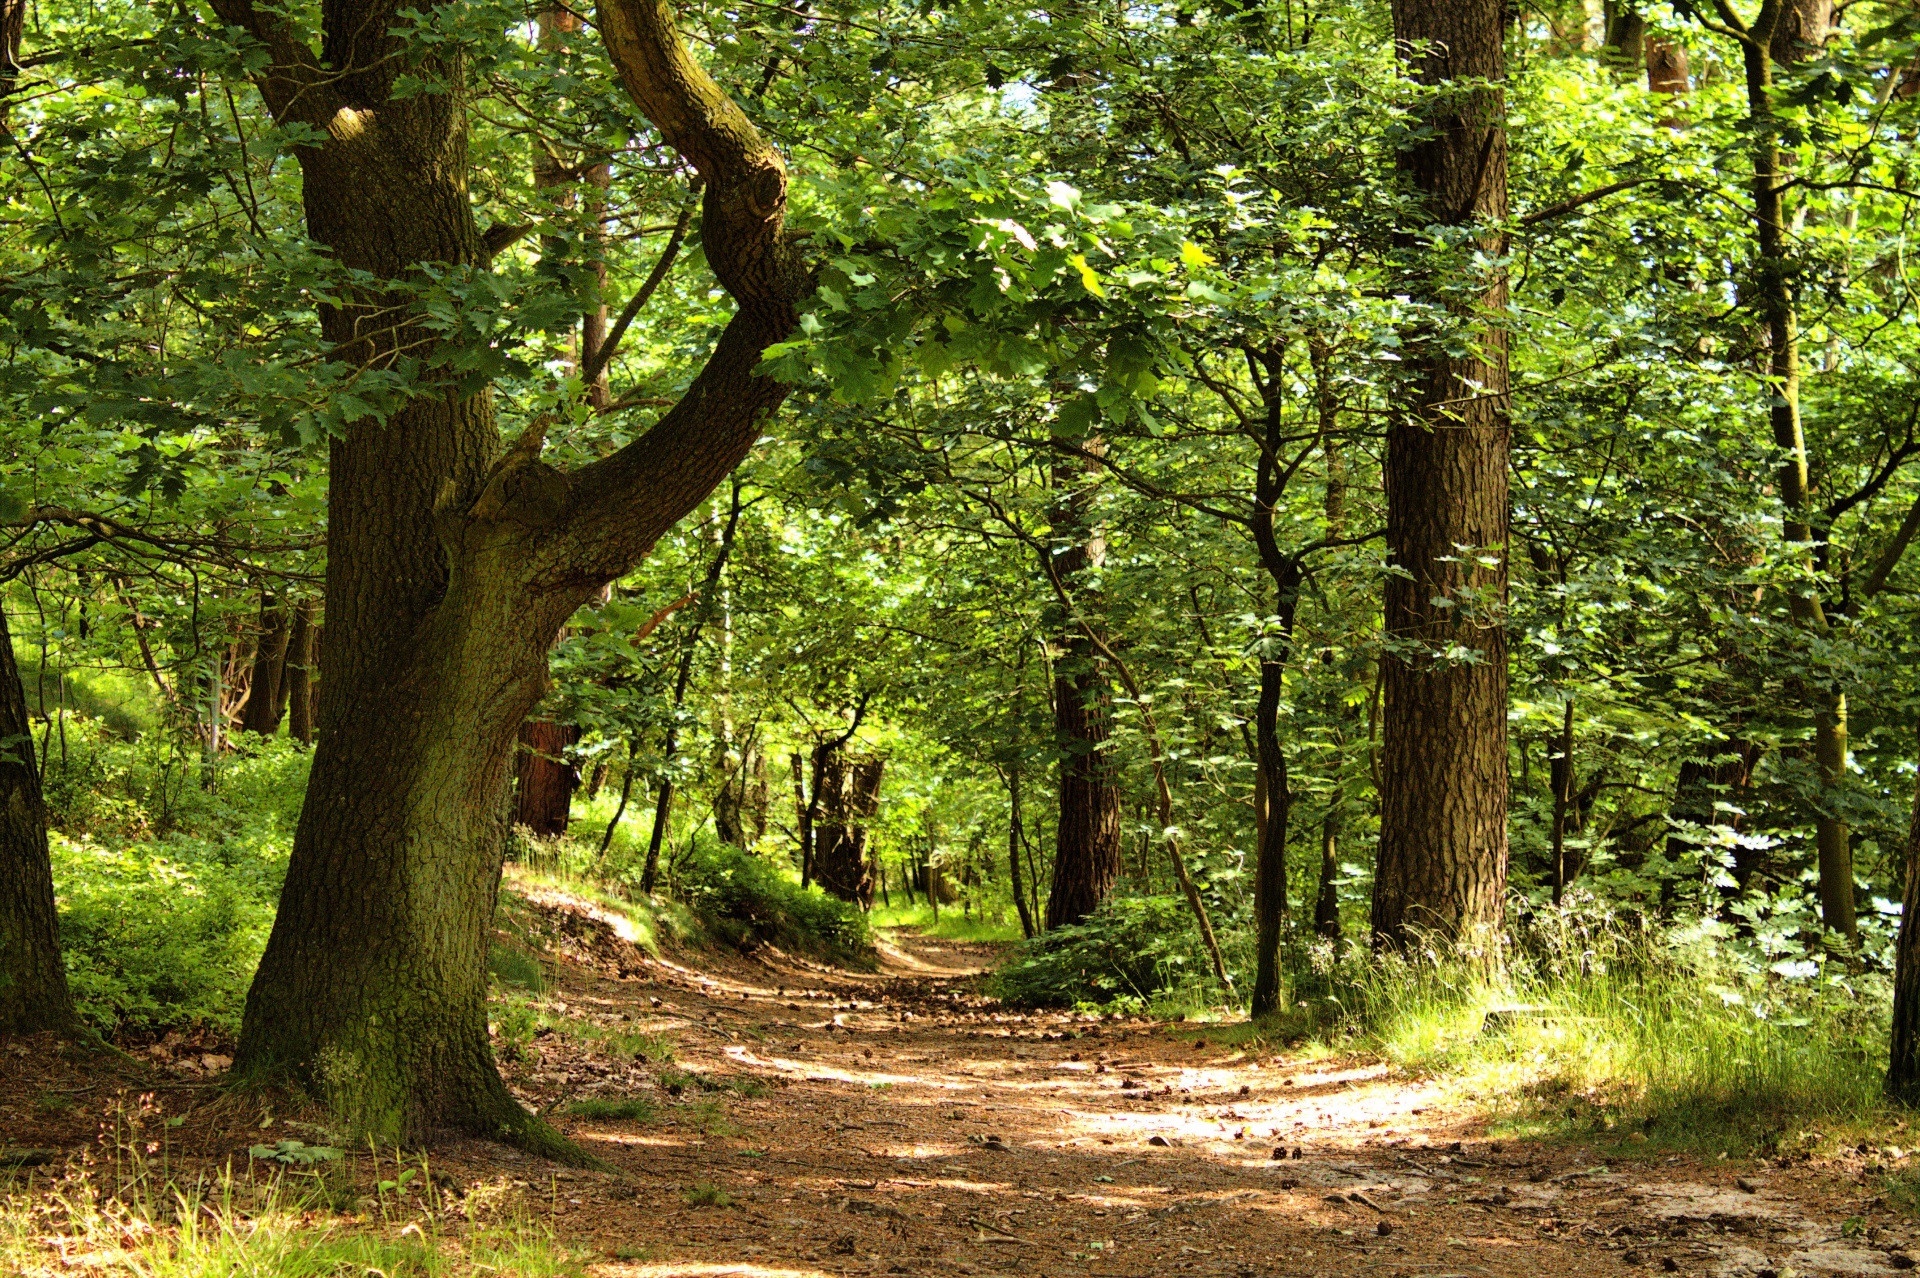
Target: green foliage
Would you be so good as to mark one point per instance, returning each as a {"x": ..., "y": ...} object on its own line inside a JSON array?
[
  {"x": 746, "y": 900},
  {"x": 1127, "y": 951},
  {"x": 293, "y": 1153},
  {"x": 634, "y": 1110},
  {"x": 514, "y": 967},
  {"x": 167, "y": 891},
  {"x": 706, "y": 1194},
  {"x": 1691, "y": 1040}
]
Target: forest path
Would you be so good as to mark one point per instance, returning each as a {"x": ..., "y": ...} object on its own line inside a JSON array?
[{"x": 898, "y": 1123}]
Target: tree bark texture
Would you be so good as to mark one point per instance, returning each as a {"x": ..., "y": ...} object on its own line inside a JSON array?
[
  {"x": 543, "y": 779},
  {"x": 1274, "y": 798},
  {"x": 33, "y": 981},
  {"x": 453, "y": 560},
  {"x": 1443, "y": 824},
  {"x": 1086, "y": 855}
]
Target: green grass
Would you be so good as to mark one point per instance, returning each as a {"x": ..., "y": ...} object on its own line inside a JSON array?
[
  {"x": 705, "y": 1194},
  {"x": 953, "y": 925},
  {"x": 1627, "y": 1039},
  {"x": 634, "y": 1110},
  {"x": 271, "y": 1228}
]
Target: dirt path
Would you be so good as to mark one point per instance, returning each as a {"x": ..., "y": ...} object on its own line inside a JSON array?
[
  {"x": 809, "y": 1122},
  {"x": 899, "y": 1124}
]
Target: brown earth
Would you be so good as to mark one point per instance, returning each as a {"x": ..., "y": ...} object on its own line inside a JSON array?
[{"x": 814, "y": 1122}]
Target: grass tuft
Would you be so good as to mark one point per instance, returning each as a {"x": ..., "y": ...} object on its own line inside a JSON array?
[{"x": 634, "y": 1110}]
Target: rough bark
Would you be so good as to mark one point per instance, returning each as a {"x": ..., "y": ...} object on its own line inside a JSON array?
[
  {"x": 1086, "y": 857},
  {"x": 1443, "y": 823},
  {"x": 33, "y": 981},
  {"x": 454, "y": 560},
  {"x": 543, "y": 779}
]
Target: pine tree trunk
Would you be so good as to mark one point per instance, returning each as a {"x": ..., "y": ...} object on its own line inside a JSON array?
[
  {"x": 1086, "y": 858},
  {"x": 33, "y": 981},
  {"x": 452, "y": 561},
  {"x": 1443, "y": 823}
]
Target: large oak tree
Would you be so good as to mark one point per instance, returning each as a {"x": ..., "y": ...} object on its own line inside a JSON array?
[{"x": 455, "y": 556}]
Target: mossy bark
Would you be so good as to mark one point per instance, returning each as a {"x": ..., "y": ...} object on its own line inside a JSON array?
[{"x": 453, "y": 560}]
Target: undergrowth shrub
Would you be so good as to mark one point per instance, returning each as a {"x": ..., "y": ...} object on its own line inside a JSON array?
[
  {"x": 746, "y": 900},
  {"x": 1127, "y": 951},
  {"x": 166, "y": 886},
  {"x": 1692, "y": 1036}
]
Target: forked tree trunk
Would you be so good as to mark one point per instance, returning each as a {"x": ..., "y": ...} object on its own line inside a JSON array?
[
  {"x": 1086, "y": 856},
  {"x": 453, "y": 561},
  {"x": 1443, "y": 822},
  {"x": 33, "y": 981}
]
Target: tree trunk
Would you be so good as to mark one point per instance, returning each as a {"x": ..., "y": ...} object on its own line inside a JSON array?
[
  {"x": 302, "y": 649},
  {"x": 1326, "y": 901},
  {"x": 803, "y": 818},
  {"x": 1724, "y": 769},
  {"x": 1086, "y": 858},
  {"x": 1796, "y": 30},
  {"x": 452, "y": 562},
  {"x": 1903, "y": 1064},
  {"x": 33, "y": 981},
  {"x": 1013, "y": 850},
  {"x": 543, "y": 780},
  {"x": 1561, "y": 775},
  {"x": 846, "y": 795},
  {"x": 1443, "y": 821},
  {"x": 261, "y": 713}
]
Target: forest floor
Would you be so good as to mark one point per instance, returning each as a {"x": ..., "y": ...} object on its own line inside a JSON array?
[{"x": 814, "y": 1121}]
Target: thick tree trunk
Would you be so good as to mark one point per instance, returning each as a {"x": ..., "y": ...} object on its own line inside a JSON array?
[
  {"x": 1086, "y": 858},
  {"x": 302, "y": 658},
  {"x": 264, "y": 700},
  {"x": 543, "y": 780},
  {"x": 453, "y": 562},
  {"x": 1443, "y": 822},
  {"x": 33, "y": 981}
]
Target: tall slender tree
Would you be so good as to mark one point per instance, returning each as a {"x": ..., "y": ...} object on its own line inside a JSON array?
[{"x": 1443, "y": 822}]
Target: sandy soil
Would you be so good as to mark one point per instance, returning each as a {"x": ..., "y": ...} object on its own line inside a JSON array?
[{"x": 896, "y": 1122}]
